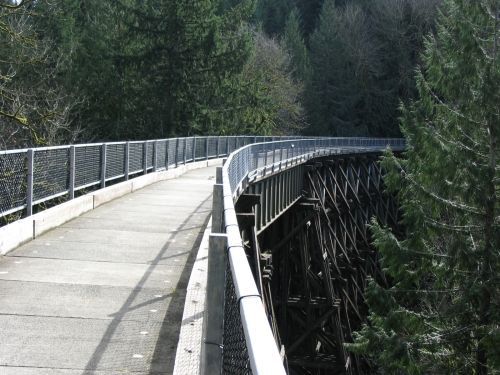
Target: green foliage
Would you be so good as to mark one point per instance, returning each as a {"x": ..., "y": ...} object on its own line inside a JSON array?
[
  {"x": 341, "y": 96},
  {"x": 441, "y": 312},
  {"x": 294, "y": 42},
  {"x": 272, "y": 94},
  {"x": 310, "y": 10},
  {"x": 272, "y": 15},
  {"x": 362, "y": 60},
  {"x": 95, "y": 40},
  {"x": 149, "y": 69}
]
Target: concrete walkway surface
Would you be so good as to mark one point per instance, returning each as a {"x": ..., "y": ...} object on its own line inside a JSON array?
[{"x": 104, "y": 293}]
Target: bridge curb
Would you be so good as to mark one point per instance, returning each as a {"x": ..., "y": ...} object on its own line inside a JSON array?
[
  {"x": 188, "y": 355},
  {"x": 24, "y": 230}
]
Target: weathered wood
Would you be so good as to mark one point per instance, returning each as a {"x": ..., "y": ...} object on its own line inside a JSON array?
[{"x": 320, "y": 255}]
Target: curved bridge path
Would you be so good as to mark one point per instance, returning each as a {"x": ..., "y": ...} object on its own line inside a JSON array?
[{"x": 104, "y": 293}]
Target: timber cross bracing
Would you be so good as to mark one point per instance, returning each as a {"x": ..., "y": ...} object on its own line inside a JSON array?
[
  {"x": 277, "y": 187},
  {"x": 270, "y": 174},
  {"x": 312, "y": 262}
]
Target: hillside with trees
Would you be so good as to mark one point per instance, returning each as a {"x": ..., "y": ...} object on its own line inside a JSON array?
[
  {"x": 428, "y": 70},
  {"x": 97, "y": 70},
  {"x": 440, "y": 313}
]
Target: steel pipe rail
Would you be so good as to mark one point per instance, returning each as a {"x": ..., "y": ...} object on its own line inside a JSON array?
[
  {"x": 32, "y": 176},
  {"x": 243, "y": 166}
]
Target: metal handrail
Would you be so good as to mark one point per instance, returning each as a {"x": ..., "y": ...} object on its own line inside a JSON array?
[
  {"x": 61, "y": 170},
  {"x": 248, "y": 157},
  {"x": 253, "y": 161}
]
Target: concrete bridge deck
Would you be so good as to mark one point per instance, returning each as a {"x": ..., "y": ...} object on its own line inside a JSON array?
[{"x": 104, "y": 293}]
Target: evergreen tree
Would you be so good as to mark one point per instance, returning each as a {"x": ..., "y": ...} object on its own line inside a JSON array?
[
  {"x": 363, "y": 54},
  {"x": 343, "y": 99},
  {"x": 440, "y": 313},
  {"x": 273, "y": 15},
  {"x": 271, "y": 95},
  {"x": 294, "y": 42},
  {"x": 310, "y": 11},
  {"x": 94, "y": 38},
  {"x": 149, "y": 68}
]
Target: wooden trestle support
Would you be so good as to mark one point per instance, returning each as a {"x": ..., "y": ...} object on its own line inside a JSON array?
[{"x": 312, "y": 260}]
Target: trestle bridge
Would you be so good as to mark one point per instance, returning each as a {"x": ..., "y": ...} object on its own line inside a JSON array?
[{"x": 108, "y": 265}]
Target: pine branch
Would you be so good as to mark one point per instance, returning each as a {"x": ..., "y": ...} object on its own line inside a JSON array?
[
  {"x": 456, "y": 143},
  {"x": 444, "y": 201},
  {"x": 454, "y": 111},
  {"x": 455, "y": 228}
]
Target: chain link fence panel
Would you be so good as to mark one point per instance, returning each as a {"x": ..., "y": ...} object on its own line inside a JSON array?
[
  {"x": 136, "y": 157},
  {"x": 13, "y": 175},
  {"x": 235, "y": 359},
  {"x": 161, "y": 157},
  {"x": 115, "y": 161},
  {"x": 50, "y": 173},
  {"x": 87, "y": 165}
]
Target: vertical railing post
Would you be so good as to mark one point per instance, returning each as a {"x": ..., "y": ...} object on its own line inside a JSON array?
[
  {"x": 206, "y": 147},
  {"x": 213, "y": 328},
  {"x": 281, "y": 155},
  {"x": 145, "y": 157},
  {"x": 274, "y": 155},
  {"x": 155, "y": 155},
  {"x": 127, "y": 160},
  {"x": 72, "y": 159},
  {"x": 194, "y": 149},
  {"x": 176, "y": 152},
  {"x": 167, "y": 146},
  {"x": 103, "y": 165},
  {"x": 267, "y": 152},
  {"x": 29, "y": 182},
  {"x": 185, "y": 150},
  {"x": 227, "y": 146},
  {"x": 218, "y": 146}
]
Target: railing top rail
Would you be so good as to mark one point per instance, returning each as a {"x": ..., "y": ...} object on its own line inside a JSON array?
[
  {"x": 38, "y": 176},
  {"x": 262, "y": 348},
  {"x": 14, "y": 151}
]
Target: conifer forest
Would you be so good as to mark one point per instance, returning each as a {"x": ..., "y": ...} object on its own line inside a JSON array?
[{"x": 77, "y": 71}]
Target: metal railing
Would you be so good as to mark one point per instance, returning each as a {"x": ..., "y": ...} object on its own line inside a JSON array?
[
  {"x": 254, "y": 349},
  {"x": 32, "y": 176}
]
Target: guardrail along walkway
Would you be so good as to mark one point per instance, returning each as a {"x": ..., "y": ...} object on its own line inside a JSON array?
[{"x": 104, "y": 293}]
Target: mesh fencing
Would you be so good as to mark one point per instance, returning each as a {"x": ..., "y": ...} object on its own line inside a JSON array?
[
  {"x": 235, "y": 359},
  {"x": 200, "y": 148},
  {"x": 161, "y": 154},
  {"x": 181, "y": 148},
  {"x": 136, "y": 157},
  {"x": 150, "y": 158},
  {"x": 115, "y": 160},
  {"x": 171, "y": 152},
  {"x": 13, "y": 170},
  {"x": 52, "y": 165},
  {"x": 231, "y": 144},
  {"x": 50, "y": 173},
  {"x": 87, "y": 165},
  {"x": 223, "y": 146},
  {"x": 189, "y": 149},
  {"x": 212, "y": 147}
]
